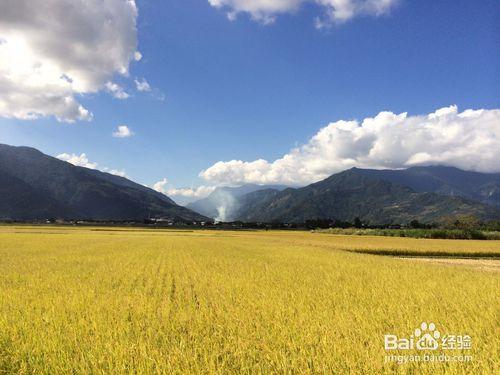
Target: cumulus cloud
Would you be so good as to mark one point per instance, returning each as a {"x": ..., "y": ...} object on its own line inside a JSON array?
[
  {"x": 52, "y": 52},
  {"x": 161, "y": 186},
  {"x": 78, "y": 160},
  {"x": 182, "y": 195},
  {"x": 265, "y": 11},
  {"x": 83, "y": 161},
  {"x": 199, "y": 192},
  {"x": 116, "y": 90},
  {"x": 123, "y": 131},
  {"x": 142, "y": 85},
  {"x": 468, "y": 140}
]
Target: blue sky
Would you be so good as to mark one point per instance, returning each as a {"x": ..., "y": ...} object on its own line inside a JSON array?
[{"x": 241, "y": 89}]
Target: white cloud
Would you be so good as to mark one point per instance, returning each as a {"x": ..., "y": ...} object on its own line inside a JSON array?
[
  {"x": 116, "y": 90},
  {"x": 116, "y": 172},
  {"x": 78, "y": 160},
  {"x": 182, "y": 195},
  {"x": 161, "y": 186},
  {"x": 142, "y": 85},
  {"x": 468, "y": 140},
  {"x": 265, "y": 11},
  {"x": 83, "y": 161},
  {"x": 199, "y": 192},
  {"x": 53, "y": 52},
  {"x": 123, "y": 131}
]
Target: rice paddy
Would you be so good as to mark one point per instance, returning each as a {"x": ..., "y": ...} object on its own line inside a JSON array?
[{"x": 101, "y": 300}]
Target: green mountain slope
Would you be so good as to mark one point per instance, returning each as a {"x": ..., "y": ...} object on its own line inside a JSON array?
[
  {"x": 224, "y": 202},
  {"x": 38, "y": 186},
  {"x": 481, "y": 187},
  {"x": 352, "y": 194}
]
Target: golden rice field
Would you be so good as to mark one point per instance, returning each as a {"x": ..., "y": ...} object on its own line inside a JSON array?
[{"x": 92, "y": 300}]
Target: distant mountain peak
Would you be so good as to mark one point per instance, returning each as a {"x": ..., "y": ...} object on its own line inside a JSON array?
[
  {"x": 224, "y": 202},
  {"x": 376, "y": 196},
  {"x": 38, "y": 186}
]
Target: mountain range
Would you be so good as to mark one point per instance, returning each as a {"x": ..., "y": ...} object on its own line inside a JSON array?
[
  {"x": 37, "y": 186},
  {"x": 428, "y": 194},
  {"x": 224, "y": 202},
  {"x": 365, "y": 194},
  {"x": 480, "y": 187}
]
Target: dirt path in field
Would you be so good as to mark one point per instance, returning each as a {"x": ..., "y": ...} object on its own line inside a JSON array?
[{"x": 491, "y": 265}]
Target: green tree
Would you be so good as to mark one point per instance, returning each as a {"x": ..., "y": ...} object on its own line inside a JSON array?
[{"x": 358, "y": 223}]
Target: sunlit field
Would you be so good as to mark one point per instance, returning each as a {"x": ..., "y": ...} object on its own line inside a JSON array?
[{"x": 96, "y": 300}]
